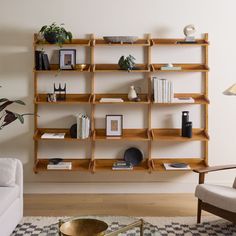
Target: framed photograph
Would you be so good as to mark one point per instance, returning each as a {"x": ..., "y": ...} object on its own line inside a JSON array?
[
  {"x": 114, "y": 125},
  {"x": 67, "y": 59}
]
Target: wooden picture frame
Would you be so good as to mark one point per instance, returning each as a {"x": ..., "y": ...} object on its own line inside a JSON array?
[
  {"x": 114, "y": 125},
  {"x": 67, "y": 59}
]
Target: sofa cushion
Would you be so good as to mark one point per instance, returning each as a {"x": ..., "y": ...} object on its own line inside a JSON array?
[
  {"x": 219, "y": 196},
  {"x": 7, "y": 196},
  {"x": 7, "y": 172}
]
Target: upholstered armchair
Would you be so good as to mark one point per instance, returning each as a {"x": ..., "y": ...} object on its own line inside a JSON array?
[{"x": 216, "y": 199}]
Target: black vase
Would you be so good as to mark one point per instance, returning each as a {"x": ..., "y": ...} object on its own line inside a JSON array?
[{"x": 50, "y": 37}]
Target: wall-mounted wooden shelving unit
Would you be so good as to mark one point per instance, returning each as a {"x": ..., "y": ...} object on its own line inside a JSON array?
[{"x": 148, "y": 134}]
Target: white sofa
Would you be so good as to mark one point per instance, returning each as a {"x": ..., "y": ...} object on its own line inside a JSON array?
[{"x": 11, "y": 198}]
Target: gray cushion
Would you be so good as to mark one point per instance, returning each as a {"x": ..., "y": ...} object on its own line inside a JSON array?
[
  {"x": 219, "y": 196},
  {"x": 234, "y": 186}
]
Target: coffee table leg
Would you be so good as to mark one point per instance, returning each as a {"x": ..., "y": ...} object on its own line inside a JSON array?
[{"x": 141, "y": 228}]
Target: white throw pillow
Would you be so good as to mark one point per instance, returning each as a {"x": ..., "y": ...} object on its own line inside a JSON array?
[{"x": 7, "y": 172}]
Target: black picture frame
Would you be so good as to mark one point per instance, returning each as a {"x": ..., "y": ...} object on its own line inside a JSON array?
[{"x": 67, "y": 59}]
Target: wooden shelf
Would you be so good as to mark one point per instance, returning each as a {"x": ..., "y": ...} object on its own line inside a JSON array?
[
  {"x": 77, "y": 165},
  {"x": 40, "y": 131},
  {"x": 198, "y": 99},
  {"x": 128, "y": 135},
  {"x": 96, "y": 99},
  {"x": 175, "y": 42},
  {"x": 55, "y": 67},
  {"x": 116, "y": 68},
  {"x": 174, "y": 135},
  {"x": 106, "y": 165},
  {"x": 185, "y": 68},
  {"x": 74, "y": 42},
  {"x": 70, "y": 99},
  {"x": 139, "y": 42},
  {"x": 158, "y": 164}
]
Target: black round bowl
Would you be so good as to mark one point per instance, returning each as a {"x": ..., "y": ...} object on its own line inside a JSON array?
[
  {"x": 134, "y": 156},
  {"x": 50, "y": 37}
]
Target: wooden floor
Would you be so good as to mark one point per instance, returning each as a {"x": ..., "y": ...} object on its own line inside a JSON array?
[{"x": 110, "y": 204}]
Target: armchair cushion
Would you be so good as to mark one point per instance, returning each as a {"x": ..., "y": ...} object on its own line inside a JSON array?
[
  {"x": 7, "y": 172},
  {"x": 220, "y": 196}
]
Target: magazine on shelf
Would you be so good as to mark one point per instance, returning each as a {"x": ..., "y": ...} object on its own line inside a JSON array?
[
  {"x": 111, "y": 100},
  {"x": 60, "y": 166},
  {"x": 53, "y": 136}
]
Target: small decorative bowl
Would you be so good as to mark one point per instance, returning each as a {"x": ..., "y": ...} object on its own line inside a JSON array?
[{"x": 81, "y": 67}]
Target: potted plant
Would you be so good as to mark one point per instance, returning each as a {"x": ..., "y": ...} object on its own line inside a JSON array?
[
  {"x": 55, "y": 33},
  {"x": 126, "y": 63},
  {"x": 7, "y": 116}
]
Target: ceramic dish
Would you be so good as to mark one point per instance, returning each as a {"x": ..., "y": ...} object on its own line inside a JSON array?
[
  {"x": 134, "y": 156},
  {"x": 120, "y": 39}
]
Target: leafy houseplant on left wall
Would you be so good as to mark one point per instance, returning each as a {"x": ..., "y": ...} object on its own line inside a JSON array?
[{"x": 7, "y": 116}]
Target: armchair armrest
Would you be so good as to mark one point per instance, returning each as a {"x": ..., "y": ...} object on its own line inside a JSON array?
[{"x": 214, "y": 168}]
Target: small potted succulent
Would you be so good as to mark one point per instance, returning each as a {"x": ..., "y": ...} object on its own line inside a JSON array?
[
  {"x": 126, "y": 63},
  {"x": 55, "y": 33}
]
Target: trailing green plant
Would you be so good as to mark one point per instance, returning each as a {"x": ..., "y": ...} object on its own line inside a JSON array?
[
  {"x": 126, "y": 63},
  {"x": 55, "y": 33},
  {"x": 7, "y": 116}
]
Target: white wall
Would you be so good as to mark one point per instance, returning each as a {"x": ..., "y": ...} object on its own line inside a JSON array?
[{"x": 162, "y": 18}]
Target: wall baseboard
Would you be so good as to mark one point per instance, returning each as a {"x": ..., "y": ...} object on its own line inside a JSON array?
[{"x": 108, "y": 188}]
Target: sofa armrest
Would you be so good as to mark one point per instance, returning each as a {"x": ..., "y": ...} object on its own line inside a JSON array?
[
  {"x": 19, "y": 182},
  {"x": 214, "y": 168}
]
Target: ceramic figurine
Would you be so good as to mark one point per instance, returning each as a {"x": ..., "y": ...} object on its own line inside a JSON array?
[{"x": 189, "y": 32}]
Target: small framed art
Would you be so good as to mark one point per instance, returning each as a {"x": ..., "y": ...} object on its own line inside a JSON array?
[
  {"x": 114, "y": 125},
  {"x": 67, "y": 59}
]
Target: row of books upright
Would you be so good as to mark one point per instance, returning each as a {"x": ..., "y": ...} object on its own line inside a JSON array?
[
  {"x": 41, "y": 61},
  {"x": 83, "y": 126},
  {"x": 163, "y": 90}
]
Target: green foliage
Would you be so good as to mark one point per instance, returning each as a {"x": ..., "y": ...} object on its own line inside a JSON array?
[
  {"x": 61, "y": 34},
  {"x": 126, "y": 63},
  {"x": 6, "y": 116}
]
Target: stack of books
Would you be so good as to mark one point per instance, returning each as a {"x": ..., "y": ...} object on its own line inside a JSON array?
[
  {"x": 122, "y": 165},
  {"x": 83, "y": 126},
  {"x": 163, "y": 90},
  {"x": 63, "y": 165}
]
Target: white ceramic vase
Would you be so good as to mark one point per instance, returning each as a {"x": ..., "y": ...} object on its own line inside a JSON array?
[{"x": 132, "y": 93}]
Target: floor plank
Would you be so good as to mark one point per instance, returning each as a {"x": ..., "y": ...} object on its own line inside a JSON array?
[{"x": 110, "y": 204}]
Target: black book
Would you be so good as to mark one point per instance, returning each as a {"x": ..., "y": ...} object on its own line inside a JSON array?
[
  {"x": 46, "y": 65},
  {"x": 38, "y": 60}
]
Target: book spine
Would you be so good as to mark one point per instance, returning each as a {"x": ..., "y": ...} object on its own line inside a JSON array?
[
  {"x": 155, "y": 88},
  {"x": 38, "y": 60},
  {"x": 159, "y": 92}
]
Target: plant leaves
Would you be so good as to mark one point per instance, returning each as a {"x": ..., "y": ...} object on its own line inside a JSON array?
[
  {"x": 19, "y": 117},
  {"x": 3, "y": 100},
  {"x": 5, "y": 104},
  {"x": 9, "y": 118},
  {"x": 19, "y": 102}
]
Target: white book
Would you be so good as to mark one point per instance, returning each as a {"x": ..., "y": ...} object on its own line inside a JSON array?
[
  {"x": 159, "y": 92},
  {"x": 111, "y": 100},
  {"x": 169, "y": 167},
  {"x": 122, "y": 168},
  {"x": 60, "y": 166},
  {"x": 155, "y": 88},
  {"x": 53, "y": 136},
  {"x": 183, "y": 100}
]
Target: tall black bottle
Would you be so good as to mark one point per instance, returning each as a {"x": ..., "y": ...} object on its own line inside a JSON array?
[{"x": 185, "y": 119}]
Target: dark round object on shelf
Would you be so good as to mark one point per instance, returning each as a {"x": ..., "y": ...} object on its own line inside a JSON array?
[
  {"x": 178, "y": 165},
  {"x": 55, "y": 161},
  {"x": 134, "y": 156},
  {"x": 73, "y": 131},
  {"x": 50, "y": 37}
]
